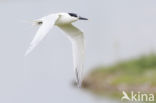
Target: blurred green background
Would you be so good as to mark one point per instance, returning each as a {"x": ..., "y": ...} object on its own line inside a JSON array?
[{"x": 136, "y": 74}]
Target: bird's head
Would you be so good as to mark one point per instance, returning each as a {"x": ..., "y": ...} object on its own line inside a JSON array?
[
  {"x": 67, "y": 18},
  {"x": 76, "y": 17}
]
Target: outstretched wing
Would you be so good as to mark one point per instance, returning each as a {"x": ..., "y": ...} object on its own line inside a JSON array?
[
  {"x": 77, "y": 39},
  {"x": 46, "y": 24}
]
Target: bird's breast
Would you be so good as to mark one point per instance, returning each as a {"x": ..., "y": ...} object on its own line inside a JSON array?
[{"x": 63, "y": 21}]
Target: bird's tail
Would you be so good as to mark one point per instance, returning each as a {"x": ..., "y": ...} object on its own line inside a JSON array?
[
  {"x": 33, "y": 22},
  {"x": 37, "y": 22}
]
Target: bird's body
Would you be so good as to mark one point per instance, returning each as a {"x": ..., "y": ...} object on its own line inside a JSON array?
[{"x": 63, "y": 21}]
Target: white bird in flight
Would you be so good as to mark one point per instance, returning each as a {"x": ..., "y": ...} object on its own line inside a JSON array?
[{"x": 63, "y": 21}]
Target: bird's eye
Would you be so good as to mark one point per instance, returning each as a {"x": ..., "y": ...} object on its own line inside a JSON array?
[{"x": 73, "y": 14}]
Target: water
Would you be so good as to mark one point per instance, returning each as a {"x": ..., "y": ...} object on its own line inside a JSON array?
[{"x": 116, "y": 30}]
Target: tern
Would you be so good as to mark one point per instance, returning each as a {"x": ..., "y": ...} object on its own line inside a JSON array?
[{"x": 64, "y": 22}]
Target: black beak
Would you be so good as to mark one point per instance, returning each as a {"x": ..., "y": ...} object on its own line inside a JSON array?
[{"x": 81, "y": 18}]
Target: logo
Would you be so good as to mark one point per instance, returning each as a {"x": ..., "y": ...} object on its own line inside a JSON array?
[{"x": 137, "y": 97}]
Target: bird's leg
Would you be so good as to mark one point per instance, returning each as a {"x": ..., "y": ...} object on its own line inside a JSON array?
[{"x": 77, "y": 77}]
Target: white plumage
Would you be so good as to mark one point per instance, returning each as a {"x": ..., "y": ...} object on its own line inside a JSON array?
[{"x": 63, "y": 21}]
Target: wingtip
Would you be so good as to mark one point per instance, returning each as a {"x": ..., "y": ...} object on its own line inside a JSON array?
[
  {"x": 31, "y": 47},
  {"x": 28, "y": 51}
]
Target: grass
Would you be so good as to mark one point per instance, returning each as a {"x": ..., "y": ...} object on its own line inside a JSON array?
[{"x": 137, "y": 74}]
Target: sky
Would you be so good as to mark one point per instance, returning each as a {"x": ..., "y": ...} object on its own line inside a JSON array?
[{"x": 116, "y": 30}]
